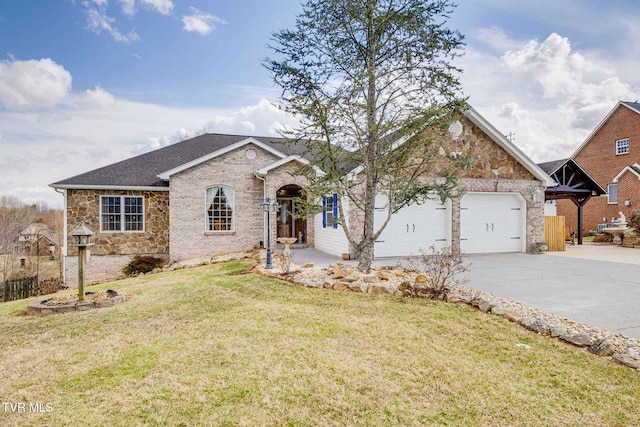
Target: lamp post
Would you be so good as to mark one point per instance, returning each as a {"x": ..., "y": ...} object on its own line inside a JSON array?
[
  {"x": 268, "y": 204},
  {"x": 81, "y": 236}
]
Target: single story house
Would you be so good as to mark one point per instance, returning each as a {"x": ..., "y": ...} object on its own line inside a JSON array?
[{"x": 201, "y": 197}]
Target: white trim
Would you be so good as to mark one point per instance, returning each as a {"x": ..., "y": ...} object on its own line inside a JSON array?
[
  {"x": 597, "y": 129},
  {"x": 233, "y": 211},
  {"x": 509, "y": 147},
  {"x": 499, "y": 139},
  {"x": 618, "y": 146},
  {"x": 167, "y": 175},
  {"x": 122, "y": 214},
  {"x": 627, "y": 169},
  {"x": 263, "y": 171},
  {"x": 107, "y": 187},
  {"x": 609, "y": 202},
  {"x": 523, "y": 214}
]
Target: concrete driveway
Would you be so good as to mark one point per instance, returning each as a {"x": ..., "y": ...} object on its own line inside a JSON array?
[{"x": 596, "y": 285}]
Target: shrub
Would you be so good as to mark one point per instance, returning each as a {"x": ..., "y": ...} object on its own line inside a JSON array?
[
  {"x": 142, "y": 264},
  {"x": 439, "y": 269},
  {"x": 634, "y": 221},
  {"x": 601, "y": 238}
]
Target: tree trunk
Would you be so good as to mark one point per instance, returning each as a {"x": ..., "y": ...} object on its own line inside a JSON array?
[{"x": 365, "y": 256}]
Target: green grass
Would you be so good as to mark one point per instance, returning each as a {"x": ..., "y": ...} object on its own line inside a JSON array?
[{"x": 209, "y": 346}]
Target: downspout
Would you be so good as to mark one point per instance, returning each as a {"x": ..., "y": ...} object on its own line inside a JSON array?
[
  {"x": 264, "y": 196},
  {"x": 63, "y": 249}
]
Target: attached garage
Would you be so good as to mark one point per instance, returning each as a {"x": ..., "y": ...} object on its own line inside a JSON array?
[
  {"x": 414, "y": 227},
  {"x": 492, "y": 222}
]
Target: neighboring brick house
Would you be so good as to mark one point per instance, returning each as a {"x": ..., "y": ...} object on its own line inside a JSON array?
[
  {"x": 201, "y": 197},
  {"x": 611, "y": 156}
]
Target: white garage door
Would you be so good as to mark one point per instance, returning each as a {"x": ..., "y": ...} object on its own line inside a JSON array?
[
  {"x": 412, "y": 228},
  {"x": 492, "y": 222}
]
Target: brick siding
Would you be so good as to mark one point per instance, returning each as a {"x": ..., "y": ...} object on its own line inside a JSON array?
[{"x": 598, "y": 158}]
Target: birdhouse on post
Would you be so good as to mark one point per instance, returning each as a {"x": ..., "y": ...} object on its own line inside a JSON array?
[{"x": 81, "y": 238}]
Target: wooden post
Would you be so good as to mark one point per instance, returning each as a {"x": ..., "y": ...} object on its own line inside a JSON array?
[
  {"x": 579, "y": 224},
  {"x": 81, "y": 254}
]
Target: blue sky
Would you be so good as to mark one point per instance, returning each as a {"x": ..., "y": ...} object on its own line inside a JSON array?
[{"x": 84, "y": 83}]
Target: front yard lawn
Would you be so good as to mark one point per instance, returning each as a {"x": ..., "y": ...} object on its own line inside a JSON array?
[{"x": 208, "y": 346}]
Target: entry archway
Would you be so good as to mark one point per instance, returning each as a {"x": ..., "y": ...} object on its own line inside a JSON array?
[{"x": 289, "y": 223}]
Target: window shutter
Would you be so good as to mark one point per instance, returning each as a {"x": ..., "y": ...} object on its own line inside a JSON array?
[
  {"x": 335, "y": 210},
  {"x": 324, "y": 212}
]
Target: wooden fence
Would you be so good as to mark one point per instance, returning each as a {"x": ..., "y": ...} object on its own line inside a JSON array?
[
  {"x": 19, "y": 289},
  {"x": 554, "y": 230}
]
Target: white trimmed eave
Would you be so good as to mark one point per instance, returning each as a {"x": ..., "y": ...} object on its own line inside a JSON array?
[
  {"x": 107, "y": 187},
  {"x": 627, "y": 169},
  {"x": 263, "y": 171},
  {"x": 165, "y": 176},
  {"x": 509, "y": 147},
  {"x": 597, "y": 129}
]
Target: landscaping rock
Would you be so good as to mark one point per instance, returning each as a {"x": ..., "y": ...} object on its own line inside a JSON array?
[
  {"x": 581, "y": 340},
  {"x": 378, "y": 290},
  {"x": 359, "y": 287},
  {"x": 627, "y": 360},
  {"x": 340, "y": 287},
  {"x": 340, "y": 273},
  {"x": 327, "y": 285},
  {"x": 369, "y": 279},
  {"x": 558, "y": 330},
  {"x": 535, "y": 325},
  {"x": 486, "y": 306},
  {"x": 308, "y": 265},
  {"x": 511, "y": 316},
  {"x": 420, "y": 278},
  {"x": 452, "y": 298},
  {"x": 601, "y": 348},
  {"x": 349, "y": 279},
  {"x": 498, "y": 310},
  {"x": 383, "y": 275}
]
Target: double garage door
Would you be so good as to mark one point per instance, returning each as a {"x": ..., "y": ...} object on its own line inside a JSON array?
[{"x": 489, "y": 222}]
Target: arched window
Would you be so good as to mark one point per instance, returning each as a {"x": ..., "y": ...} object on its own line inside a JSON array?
[{"x": 220, "y": 207}]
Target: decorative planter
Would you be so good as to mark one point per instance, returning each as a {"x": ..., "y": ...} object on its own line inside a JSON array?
[
  {"x": 541, "y": 247},
  {"x": 346, "y": 257}
]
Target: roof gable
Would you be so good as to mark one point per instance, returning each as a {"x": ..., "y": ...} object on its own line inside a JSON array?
[
  {"x": 633, "y": 106},
  {"x": 508, "y": 146},
  {"x": 142, "y": 171},
  {"x": 167, "y": 174},
  {"x": 634, "y": 169}
]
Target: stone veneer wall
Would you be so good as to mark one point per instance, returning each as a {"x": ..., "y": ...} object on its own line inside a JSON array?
[
  {"x": 113, "y": 250},
  {"x": 492, "y": 170},
  {"x": 189, "y": 237}
]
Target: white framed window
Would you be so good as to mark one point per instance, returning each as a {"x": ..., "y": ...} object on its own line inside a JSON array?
[
  {"x": 612, "y": 194},
  {"x": 622, "y": 146},
  {"x": 220, "y": 208},
  {"x": 330, "y": 211},
  {"x": 121, "y": 213}
]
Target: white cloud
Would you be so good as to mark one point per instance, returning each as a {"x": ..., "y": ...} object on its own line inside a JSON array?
[
  {"x": 96, "y": 98},
  {"x": 98, "y": 21},
  {"x": 39, "y": 148},
  {"x": 550, "y": 95},
  {"x": 32, "y": 84},
  {"x": 164, "y": 7},
  {"x": 200, "y": 22}
]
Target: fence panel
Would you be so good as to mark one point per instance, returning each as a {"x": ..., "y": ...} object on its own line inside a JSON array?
[
  {"x": 554, "y": 231},
  {"x": 19, "y": 289}
]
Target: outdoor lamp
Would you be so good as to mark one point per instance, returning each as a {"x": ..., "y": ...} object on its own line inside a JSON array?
[
  {"x": 81, "y": 236},
  {"x": 268, "y": 204}
]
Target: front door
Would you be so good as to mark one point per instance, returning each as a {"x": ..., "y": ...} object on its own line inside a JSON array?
[{"x": 289, "y": 223}]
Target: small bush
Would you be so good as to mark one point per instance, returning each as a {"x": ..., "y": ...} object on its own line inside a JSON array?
[
  {"x": 602, "y": 238},
  {"x": 142, "y": 264},
  {"x": 634, "y": 221},
  {"x": 439, "y": 268}
]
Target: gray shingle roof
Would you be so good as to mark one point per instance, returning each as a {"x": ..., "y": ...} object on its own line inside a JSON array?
[
  {"x": 143, "y": 170},
  {"x": 552, "y": 166},
  {"x": 633, "y": 105}
]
